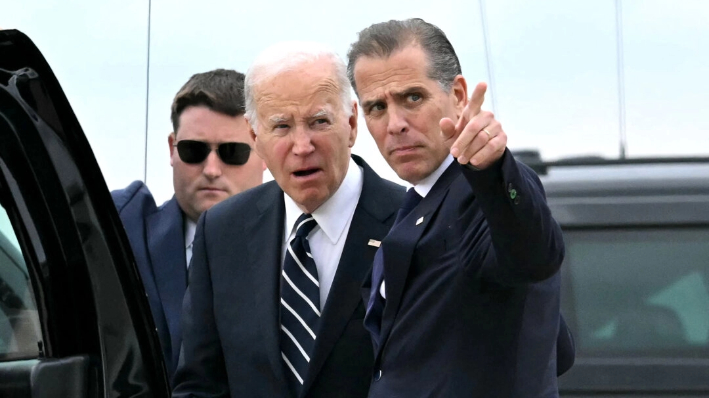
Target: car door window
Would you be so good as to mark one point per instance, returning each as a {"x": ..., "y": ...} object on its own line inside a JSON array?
[
  {"x": 639, "y": 292},
  {"x": 19, "y": 321}
]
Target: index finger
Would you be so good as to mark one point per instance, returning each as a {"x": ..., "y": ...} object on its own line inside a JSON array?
[
  {"x": 478, "y": 97},
  {"x": 473, "y": 107}
]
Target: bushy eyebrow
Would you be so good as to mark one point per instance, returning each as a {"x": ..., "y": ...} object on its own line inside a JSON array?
[
  {"x": 320, "y": 113},
  {"x": 408, "y": 91},
  {"x": 277, "y": 119},
  {"x": 369, "y": 103},
  {"x": 398, "y": 95}
]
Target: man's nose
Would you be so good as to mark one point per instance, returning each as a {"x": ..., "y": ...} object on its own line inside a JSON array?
[
  {"x": 397, "y": 121},
  {"x": 212, "y": 165},
  {"x": 302, "y": 142}
]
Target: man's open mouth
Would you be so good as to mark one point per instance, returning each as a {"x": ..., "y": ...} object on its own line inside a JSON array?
[{"x": 305, "y": 173}]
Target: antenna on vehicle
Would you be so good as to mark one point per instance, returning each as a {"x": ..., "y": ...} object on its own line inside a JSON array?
[
  {"x": 147, "y": 98},
  {"x": 621, "y": 77},
  {"x": 488, "y": 56}
]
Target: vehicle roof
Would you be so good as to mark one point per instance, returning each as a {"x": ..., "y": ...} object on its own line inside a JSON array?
[
  {"x": 628, "y": 195},
  {"x": 627, "y": 180}
]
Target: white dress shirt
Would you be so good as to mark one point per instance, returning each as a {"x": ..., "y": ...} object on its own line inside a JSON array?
[
  {"x": 334, "y": 218},
  {"x": 423, "y": 188},
  {"x": 190, "y": 228}
]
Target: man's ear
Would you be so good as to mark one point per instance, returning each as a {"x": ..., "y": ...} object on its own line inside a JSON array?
[
  {"x": 459, "y": 94},
  {"x": 252, "y": 133},
  {"x": 254, "y": 138},
  {"x": 171, "y": 142},
  {"x": 353, "y": 124}
]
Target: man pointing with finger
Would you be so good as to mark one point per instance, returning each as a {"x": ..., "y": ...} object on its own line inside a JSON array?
[{"x": 464, "y": 298}]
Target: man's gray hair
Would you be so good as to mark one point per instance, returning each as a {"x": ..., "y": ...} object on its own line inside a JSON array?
[
  {"x": 383, "y": 39},
  {"x": 288, "y": 56}
]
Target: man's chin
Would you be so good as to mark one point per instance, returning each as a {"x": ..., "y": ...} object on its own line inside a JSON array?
[
  {"x": 409, "y": 172},
  {"x": 207, "y": 203}
]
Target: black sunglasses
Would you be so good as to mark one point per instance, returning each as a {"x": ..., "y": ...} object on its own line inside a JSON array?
[{"x": 233, "y": 153}]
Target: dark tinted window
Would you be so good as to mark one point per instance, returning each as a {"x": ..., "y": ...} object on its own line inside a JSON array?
[
  {"x": 19, "y": 322},
  {"x": 639, "y": 292}
]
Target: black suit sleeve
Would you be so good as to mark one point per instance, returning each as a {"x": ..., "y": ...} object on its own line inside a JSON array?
[
  {"x": 565, "y": 348},
  {"x": 202, "y": 372},
  {"x": 525, "y": 243}
]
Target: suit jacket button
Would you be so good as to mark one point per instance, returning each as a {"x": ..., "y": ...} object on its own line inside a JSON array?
[{"x": 377, "y": 375}]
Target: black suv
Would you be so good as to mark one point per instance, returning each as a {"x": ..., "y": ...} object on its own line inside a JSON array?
[
  {"x": 75, "y": 323},
  {"x": 74, "y": 319},
  {"x": 635, "y": 287}
]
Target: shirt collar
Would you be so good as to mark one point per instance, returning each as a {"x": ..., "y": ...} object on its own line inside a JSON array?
[
  {"x": 190, "y": 228},
  {"x": 333, "y": 215},
  {"x": 424, "y": 186}
]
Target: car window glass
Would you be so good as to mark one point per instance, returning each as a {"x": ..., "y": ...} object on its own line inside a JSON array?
[
  {"x": 642, "y": 292},
  {"x": 19, "y": 321}
]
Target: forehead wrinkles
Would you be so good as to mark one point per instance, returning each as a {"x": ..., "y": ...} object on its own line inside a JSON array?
[
  {"x": 383, "y": 79},
  {"x": 279, "y": 94}
]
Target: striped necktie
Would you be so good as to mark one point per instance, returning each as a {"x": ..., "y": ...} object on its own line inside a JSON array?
[{"x": 300, "y": 304}]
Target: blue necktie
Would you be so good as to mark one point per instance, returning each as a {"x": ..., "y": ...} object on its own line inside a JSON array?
[
  {"x": 375, "y": 307},
  {"x": 300, "y": 304}
]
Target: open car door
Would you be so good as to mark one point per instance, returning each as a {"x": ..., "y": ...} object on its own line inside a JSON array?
[{"x": 74, "y": 319}]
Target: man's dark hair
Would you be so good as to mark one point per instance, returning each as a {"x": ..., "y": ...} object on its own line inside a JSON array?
[
  {"x": 220, "y": 90},
  {"x": 383, "y": 39}
]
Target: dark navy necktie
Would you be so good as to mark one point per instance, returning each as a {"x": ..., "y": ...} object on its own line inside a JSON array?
[
  {"x": 300, "y": 304},
  {"x": 411, "y": 200},
  {"x": 375, "y": 307}
]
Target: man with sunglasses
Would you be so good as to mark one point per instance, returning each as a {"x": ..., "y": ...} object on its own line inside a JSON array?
[
  {"x": 274, "y": 306},
  {"x": 212, "y": 159}
]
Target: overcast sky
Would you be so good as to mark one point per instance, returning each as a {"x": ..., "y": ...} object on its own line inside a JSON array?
[{"x": 554, "y": 67}]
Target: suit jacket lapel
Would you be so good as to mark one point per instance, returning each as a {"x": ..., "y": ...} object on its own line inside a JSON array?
[
  {"x": 372, "y": 220},
  {"x": 265, "y": 235},
  {"x": 398, "y": 247},
  {"x": 166, "y": 246}
]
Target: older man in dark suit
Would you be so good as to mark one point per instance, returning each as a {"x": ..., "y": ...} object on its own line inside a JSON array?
[
  {"x": 273, "y": 308},
  {"x": 464, "y": 298},
  {"x": 211, "y": 159}
]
